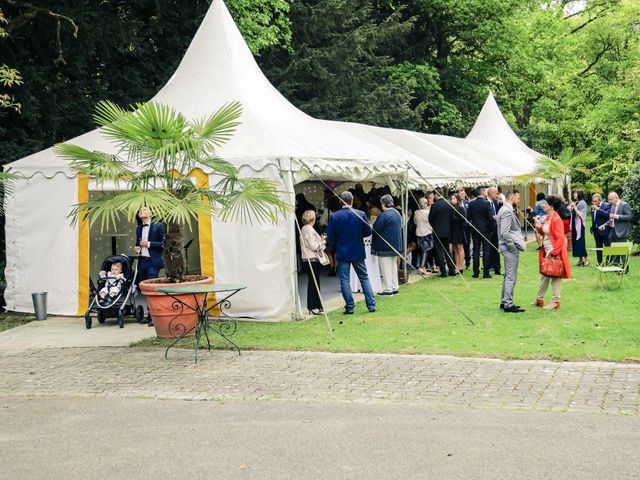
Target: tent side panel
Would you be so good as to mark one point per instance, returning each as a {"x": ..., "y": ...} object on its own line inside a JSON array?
[
  {"x": 259, "y": 257},
  {"x": 42, "y": 247}
]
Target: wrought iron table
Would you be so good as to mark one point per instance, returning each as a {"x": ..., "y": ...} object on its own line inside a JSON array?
[{"x": 223, "y": 325}]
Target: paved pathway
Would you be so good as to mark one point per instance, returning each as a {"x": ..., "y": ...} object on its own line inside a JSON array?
[
  {"x": 57, "y": 332},
  {"x": 319, "y": 377},
  {"x": 107, "y": 438}
]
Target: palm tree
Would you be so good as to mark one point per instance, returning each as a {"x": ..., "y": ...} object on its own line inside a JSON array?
[
  {"x": 565, "y": 168},
  {"x": 157, "y": 148}
]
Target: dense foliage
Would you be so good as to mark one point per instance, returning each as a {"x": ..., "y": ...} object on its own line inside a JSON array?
[
  {"x": 74, "y": 53},
  {"x": 632, "y": 195},
  {"x": 566, "y": 73},
  {"x": 8, "y": 76}
]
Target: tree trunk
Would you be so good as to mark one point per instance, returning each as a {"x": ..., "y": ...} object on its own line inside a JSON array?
[
  {"x": 565, "y": 192},
  {"x": 173, "y": 253}
]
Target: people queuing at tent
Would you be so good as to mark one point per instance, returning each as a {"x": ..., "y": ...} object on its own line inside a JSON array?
[{"x": 448, "y": 234}]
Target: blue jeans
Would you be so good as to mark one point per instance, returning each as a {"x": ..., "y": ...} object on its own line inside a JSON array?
[{"x": 361, "y": 270}]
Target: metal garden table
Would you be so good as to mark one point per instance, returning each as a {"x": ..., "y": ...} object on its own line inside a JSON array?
[{"x": 222, "y": 325}]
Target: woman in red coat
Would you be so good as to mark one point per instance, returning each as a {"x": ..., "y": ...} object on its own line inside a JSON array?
[{"x": 553, "y": 244}]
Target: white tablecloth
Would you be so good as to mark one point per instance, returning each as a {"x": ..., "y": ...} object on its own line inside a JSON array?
[{"x": 373, "y": 270}]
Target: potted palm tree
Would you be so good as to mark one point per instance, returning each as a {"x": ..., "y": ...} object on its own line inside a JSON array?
[
  {"x": 565, "y": 168},
  {"x": 157, "y": 149}
]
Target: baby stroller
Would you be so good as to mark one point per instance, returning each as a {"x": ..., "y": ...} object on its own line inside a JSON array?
[{"x": 124, "y": 303}]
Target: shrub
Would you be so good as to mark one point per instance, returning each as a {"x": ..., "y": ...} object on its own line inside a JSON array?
[{"x": 632, "y": 196}]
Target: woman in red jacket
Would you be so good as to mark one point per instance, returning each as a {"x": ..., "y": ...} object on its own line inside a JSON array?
[{"x": 553, "y": 244}]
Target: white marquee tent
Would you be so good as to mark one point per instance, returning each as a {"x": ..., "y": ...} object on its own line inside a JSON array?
[
  {"x": 275, "y": 140},
  {"x": 492, "y": 129}
]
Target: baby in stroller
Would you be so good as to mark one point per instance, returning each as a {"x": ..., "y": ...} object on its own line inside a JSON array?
[
  {"x": 114, "y": 296},
  {"x": 113, "y": 283}
]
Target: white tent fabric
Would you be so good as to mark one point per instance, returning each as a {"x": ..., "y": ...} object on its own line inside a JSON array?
[
  {"x": 432, "y": 168},
  {"x": 42, "y": 253},
  {"x": 437, "y": 166},
  {"x": 493, "y": 164},
  {"x": 275, "y": 140},
  {"x": 492, "y": 129},
  {"x": 217, "y": 68}
]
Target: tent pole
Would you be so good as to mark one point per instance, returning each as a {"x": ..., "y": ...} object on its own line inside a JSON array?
[
  {"x": 526, "y": 203},
  {"x": 296, "y": 314},
  {"x": 399, "y": 254},
  {"x": 405, "y": 216}
]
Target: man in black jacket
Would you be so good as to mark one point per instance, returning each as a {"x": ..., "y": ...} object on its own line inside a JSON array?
[
  {"x": 440, "y": 220},
  {"x": 480, "y": 215}
]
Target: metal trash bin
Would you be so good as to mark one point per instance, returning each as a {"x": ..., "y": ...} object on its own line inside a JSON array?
[{"x": 40, "y": 305}]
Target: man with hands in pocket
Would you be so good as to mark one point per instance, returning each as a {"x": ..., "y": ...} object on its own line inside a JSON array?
[{"x": 511, "y": 243}]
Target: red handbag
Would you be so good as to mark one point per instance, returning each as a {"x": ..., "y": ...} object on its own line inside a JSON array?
[{"x": 552, "y": 266}]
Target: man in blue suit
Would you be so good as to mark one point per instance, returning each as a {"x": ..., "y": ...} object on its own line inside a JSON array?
[
  {"x": 600, "y": 223},
  {"x": 150, "y": 247},
  {"x": 345, "y": 232}
]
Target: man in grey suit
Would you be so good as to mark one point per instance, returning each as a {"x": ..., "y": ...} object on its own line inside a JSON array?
[
  {"x": 511, "y": 243},
  {"x": 620, "y": 222},
  {"x": 620, "y": 217}
]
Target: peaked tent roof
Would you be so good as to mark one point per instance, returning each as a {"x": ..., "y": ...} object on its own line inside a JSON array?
[
  {"x": 217, "y": 68},
  {"x": 492, "y": 129}
]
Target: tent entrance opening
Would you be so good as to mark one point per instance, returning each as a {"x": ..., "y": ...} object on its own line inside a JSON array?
[{"x": 122, "y": 238}]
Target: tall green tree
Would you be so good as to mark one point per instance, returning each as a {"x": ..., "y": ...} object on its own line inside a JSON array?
[
  {"x": 564, "y": 72},
  {"x": 566, "y": 169},
  {"x": 339, "y": 66},
  {"x": 9, "y": 77},
  {"x": 121, "y": 49}
]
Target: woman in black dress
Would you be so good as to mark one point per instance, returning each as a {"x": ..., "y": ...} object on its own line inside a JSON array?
[{"x": 458, "y": 222}]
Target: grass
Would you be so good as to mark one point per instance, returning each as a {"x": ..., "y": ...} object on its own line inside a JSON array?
[
  {"x": 12, "y": 320},
  {"x": 591, "y": 325}
]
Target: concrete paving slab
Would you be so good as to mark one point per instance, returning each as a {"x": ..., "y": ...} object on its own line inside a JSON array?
[
  {"x": 115, "y": 438},
  {"x": 65, "y": 332}
]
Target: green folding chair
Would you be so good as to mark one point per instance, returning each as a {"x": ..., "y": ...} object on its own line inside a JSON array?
[{"x": 615, "y": 262}]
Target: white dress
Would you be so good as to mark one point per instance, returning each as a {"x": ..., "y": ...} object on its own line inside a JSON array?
[{"x": 373, "y": 271}]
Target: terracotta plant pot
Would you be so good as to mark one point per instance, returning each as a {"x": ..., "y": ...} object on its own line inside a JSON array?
[{"x": 170, "y": 318}]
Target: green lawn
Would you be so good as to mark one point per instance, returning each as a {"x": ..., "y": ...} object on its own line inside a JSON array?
[
  {"x": 590, "y": 325},
  {"x": 11, "y": 320}
]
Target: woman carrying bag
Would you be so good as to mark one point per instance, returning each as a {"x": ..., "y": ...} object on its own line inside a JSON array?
[
  {"x": 312, "y": 248},
  {"x": 554, "y": 258}
]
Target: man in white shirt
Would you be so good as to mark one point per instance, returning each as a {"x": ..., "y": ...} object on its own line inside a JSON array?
[{"x": 150, "y": 247}]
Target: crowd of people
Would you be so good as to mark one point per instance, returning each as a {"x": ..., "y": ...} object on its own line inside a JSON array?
[{"x": 447, "y": 236}]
